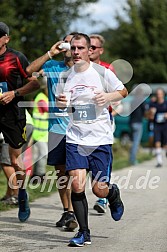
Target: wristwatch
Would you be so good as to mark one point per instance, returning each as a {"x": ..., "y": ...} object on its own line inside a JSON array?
[{"x": 16, "y": 93}]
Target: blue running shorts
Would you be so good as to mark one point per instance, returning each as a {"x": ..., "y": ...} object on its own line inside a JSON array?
[
  {"x": 56, "y": 149},
  {"x": 97, "y": 160}
]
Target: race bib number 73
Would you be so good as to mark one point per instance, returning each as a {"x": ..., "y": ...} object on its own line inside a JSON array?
[{"x": 84, "y": 112}]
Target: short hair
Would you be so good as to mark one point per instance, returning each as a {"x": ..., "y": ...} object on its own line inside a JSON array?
[
  {"x": 72, "y": 33},
  {"x": 78, "y": 36},
  {"x": 99, "y": 37},
  {"x": 4, "y": 28}
]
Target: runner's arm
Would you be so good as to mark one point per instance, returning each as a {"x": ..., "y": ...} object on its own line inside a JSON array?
[
  {"x": 37, "y": 64},
  {"x": 29, "y": 87}
]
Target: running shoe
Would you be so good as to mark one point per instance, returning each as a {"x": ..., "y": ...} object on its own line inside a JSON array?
[
  {"x": 61, "y": 222},
  {"x": 13, "y": 200},
  {"x": 80, "y": 239},
  {"x": 116, "y": 206},
  {"x": 158, "y": 165},
  {"x": 70, "y": 222},
  {"x": 101, "y": 205},
  {"x": 4, "y": 198},
  {"x": 24, "y": 210}
]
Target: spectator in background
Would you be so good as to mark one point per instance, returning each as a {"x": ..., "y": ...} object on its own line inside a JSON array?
[
  {"x": 40, "y": 133},
  {"x": 158, "y": 114},
  {"x": 150, "y": 125},
  {"x": 136, "y": 124},
  {"x": 12, "y": 117}
]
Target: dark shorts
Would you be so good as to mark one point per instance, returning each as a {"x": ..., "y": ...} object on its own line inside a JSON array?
[
  {"x": 14, "y": 132},
  {"x": 98, "y": 161},
  {"x": 4, "y": 152},
  {"x": 4, "y": 155},
  {"x": 56, "y": 149},
  {"x": 160, "y": 133},
  {"x": 29, "y": 131}
]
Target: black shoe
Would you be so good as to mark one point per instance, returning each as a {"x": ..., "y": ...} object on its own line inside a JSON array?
[
  {"x": 116, "y": 206},
  {"x": 61, "y": 222},
  {"x": 4, "y": 198},
  {"x": 13, "y": 200},
  {"x": 158, "y": 165},
  {"x": 70, "y": 222}
]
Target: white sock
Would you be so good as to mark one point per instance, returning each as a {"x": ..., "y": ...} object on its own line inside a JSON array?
[{"x": 159, "y": 155}]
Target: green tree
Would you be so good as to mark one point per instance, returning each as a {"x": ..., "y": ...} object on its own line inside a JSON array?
[
  {"x": 36, "y": 25},
  {"x": 141, "y": 40}
]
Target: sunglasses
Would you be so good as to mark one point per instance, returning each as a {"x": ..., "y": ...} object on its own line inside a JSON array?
[{"x": 95, "y": 47}]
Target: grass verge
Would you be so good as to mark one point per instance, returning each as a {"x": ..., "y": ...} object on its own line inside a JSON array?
[
  {"x": 35, "y": 191},
  {"x": 121, "y": 155}
]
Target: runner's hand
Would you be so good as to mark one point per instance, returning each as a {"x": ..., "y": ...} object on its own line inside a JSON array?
[
  {"x": 7, "y": 97},
  {"x": 61, "y": 101},
  {"x": 54, "y": 50},
  {"x": 101, "y": 98}
]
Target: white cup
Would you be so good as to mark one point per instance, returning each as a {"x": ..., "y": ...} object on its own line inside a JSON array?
[
  {"x": 65, "y": 45},
  {"x": 68, "y": 97}
]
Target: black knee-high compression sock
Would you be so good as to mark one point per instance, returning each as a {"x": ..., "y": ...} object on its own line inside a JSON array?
[{"x": 80, "y": 206}]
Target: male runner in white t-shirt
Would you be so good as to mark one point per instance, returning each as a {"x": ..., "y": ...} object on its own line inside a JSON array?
[{"x": 89, "y": 134}]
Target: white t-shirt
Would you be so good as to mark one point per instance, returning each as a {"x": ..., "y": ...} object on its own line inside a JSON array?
[{"x": 90, "y": 124}]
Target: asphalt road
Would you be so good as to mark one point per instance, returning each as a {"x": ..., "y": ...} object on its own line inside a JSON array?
[{"x": 142, "y": 228}]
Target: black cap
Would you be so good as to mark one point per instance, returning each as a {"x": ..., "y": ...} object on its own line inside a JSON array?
[{"x": 4, "y": 28}]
